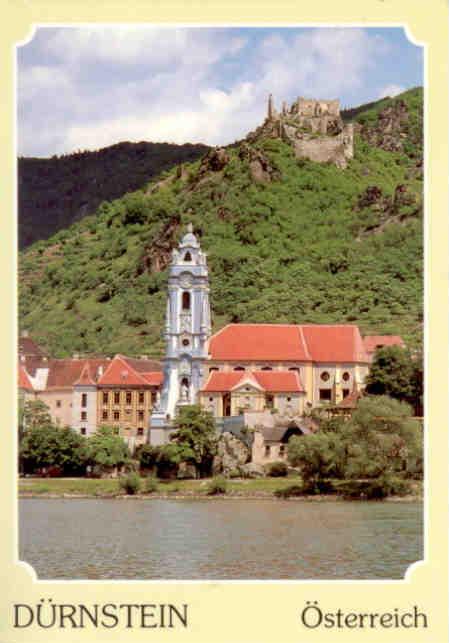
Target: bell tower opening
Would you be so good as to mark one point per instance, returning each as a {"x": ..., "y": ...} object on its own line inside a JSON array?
[{"x": 186, "y": 301}]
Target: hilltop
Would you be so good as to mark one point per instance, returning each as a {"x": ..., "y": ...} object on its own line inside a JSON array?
[
  {"x": 288, "y": 240},
  {"x": 55, "y": 192}
]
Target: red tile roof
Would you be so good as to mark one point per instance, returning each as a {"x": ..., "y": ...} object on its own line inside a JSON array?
[
  {"x": 28, "y": 347},
  {"x": 371, "y": 342},
  {"x": 23, "y": 379},
  {"x": 335, "y": 343},
  {"x": 85, "y": 379},
  {"x": 259, "y": 342},
  {"x": 154, "y": 378},
  {"x": 271, "y": 381},
  {"x": 122, "y": 372},
  {"x": 284, "y": 342}
]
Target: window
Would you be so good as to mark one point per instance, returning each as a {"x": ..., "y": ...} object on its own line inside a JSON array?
[
  {"x": 105, "y": 415},
  {"x": 153, "y": 398},
  {"x": 105, "y": 398},
  {"x": 212, "y": 369},
  {"x": 239, "y": 368},
  {"x": 128, "y": 397},
  {"x": 326, "y": 394},
  {"x": 325, "y": 376},
  {"x": 117, "y": 397},
  {"x": 187, "y": 256},
  {"x": 211, "y": 399},
  {"x": 186, "y": 300},
  {"x": 289, "y": 399},
  {"x": 83, "y": 431},
  {"x": 346, "y": 376},
  {"x": 266, "y": 368},
  {"x": 267, "y": 450},
  {"x": 128, "y": 412},
  {"x": 269, "y": 401},
  {"x": 140, "y": 431},
  {"x": 116, "y": 415},
  {"x": 141, "y": 397},
  {"x": 345, "y": 392},
  {"x": 58, "y": 404},
  {"x": 294, "y": 368},
  {"x": 84, "y": 400},
  {"x": 83, "y": 416},
  {"x": 140, "y": 415},
  {"x": 116, "y": 430},
  {"x": 185, "y": 342},
  {"x": 282, "y": 449}
]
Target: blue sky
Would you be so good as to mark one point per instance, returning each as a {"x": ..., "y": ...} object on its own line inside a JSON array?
[{"x": 83, "y": 88}]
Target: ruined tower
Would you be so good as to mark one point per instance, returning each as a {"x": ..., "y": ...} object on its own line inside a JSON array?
[{"x": 187, "y": 331}]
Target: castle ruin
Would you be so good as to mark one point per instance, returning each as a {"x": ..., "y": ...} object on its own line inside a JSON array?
[{"x": 313, "y": 127}]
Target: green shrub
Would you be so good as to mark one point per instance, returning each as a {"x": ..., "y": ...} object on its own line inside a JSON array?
[
  {"x": 130, "y": 484},
  {"x": 376, "y": 489},
  {"x": 217, "y": 486},
  {"x": 290, "y": 491},
  {"x": 151, "y": 484},
  {"x": 277, "y": 469}
]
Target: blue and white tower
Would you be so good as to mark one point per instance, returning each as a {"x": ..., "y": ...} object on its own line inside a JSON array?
[{"x": 187, "y": 331}]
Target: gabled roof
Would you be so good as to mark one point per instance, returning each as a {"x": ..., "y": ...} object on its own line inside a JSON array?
[
  {"x": 350, "y": 401},
  {"x": 85, "y": 379},
  {"x": 270, "y": 381},
  {"x": 28, "y": 347},
  {"x": 338, "y": 343},
  {"x": 259, "y": 342},
  {"x": 122, "y": 372},
  {"x": 23, "y": 379},
  {"x": 372, "y": 342}
]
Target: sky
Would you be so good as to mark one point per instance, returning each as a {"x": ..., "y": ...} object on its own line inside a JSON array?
[{"x": 85, "y": 87}]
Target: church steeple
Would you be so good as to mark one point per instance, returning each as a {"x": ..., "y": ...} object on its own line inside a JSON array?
[{"x": 187, "y": 331}]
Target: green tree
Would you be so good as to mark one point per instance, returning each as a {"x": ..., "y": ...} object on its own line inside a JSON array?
[
  {"x": 48, "y": 445},
  {"x": 382, "y": 437},
  {"x": 35, "y": 414},
  {"x": 319, "y": 456},
  {"x": 194, "y": 439},
  {"x": 107, "y": 449},
  {"x": 394, "y": 372}
]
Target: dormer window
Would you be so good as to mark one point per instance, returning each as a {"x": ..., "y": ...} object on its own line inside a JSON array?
[
  {"x": 187, "y": 256},
  {"x": 186, "y": 301}
]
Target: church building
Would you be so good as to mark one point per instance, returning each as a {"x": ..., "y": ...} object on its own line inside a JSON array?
[{"x": 248, "y": 368}]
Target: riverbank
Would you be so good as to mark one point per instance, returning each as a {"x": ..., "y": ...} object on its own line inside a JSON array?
[{"x": 181, "y": 489}]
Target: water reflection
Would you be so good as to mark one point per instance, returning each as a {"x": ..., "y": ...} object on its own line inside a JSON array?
[{"x": 221, "y": 539}]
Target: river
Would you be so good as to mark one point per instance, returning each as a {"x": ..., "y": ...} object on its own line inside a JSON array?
[{"x": 219, "y": 539}]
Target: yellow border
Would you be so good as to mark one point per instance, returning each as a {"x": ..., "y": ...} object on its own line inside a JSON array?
[{"x": 247, "y": 612}]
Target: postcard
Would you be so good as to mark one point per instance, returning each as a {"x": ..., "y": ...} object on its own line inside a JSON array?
[{"x": 224, "y": 249}]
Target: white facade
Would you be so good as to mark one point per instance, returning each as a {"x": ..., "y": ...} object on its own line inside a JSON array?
[{"x": 187, "y": 331}]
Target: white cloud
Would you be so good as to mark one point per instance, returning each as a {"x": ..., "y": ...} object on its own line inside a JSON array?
[
  {"x": 391, "y": 90},
  {"x": 85, "y": 88}
]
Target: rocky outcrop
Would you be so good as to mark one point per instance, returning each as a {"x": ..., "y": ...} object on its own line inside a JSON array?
[
  {"x": 260, "y": 167},
  {"x": 380, "y": 210},
  {"x": 157, "y": 255},
  {"x": 390, "y": 131},
  {"x": 232, "y": 455}
]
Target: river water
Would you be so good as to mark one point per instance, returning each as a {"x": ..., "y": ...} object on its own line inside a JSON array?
[{"x": 219, "y": 539}]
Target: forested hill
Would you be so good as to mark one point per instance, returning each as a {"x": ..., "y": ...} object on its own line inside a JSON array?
[
  {"x": 288, "y": 240},
  {"x": 55, "y": 192}
]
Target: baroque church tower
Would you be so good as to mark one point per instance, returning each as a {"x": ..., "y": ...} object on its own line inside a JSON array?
[{"x": 187, "y": 331}]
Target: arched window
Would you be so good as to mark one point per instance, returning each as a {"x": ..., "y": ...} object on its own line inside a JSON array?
[
  {"x": 186, "y": 300},
  {"x": 187, "y": 256},
  {"x": 239, "y": 368}
]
